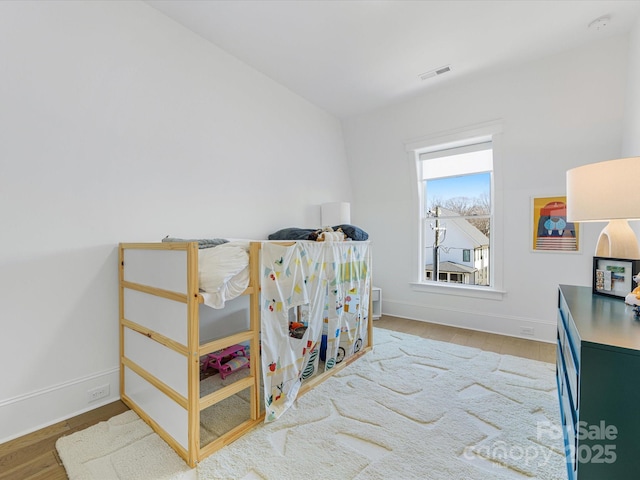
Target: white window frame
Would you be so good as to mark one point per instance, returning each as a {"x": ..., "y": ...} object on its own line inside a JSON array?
[{"x": 489, "y": 131}]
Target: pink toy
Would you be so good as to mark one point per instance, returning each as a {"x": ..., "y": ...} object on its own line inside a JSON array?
[{"x": 239, "y": 359}]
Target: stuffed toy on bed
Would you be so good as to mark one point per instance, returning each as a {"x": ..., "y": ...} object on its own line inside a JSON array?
[{"x": 327, "y": 234}]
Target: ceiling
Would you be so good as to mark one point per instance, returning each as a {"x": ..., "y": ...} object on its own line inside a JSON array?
[{"x": 353, "y": 56}]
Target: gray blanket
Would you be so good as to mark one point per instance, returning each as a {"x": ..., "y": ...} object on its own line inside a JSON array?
[{"x": 202, "y": 242}]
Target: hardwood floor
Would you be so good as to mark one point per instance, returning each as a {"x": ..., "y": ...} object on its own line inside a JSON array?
[
  {"x": 519, "y": 347},
  {"x": 34, "y": 456}
]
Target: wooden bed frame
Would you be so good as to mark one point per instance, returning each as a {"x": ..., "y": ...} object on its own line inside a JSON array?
[{"x": 161, "y": 345}]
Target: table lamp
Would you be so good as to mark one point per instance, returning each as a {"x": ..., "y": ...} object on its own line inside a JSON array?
[
  {"x": 607, "y": 192},
  {"x": 335, "y": 213}
]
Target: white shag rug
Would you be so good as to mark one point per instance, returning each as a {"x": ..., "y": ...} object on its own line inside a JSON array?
[{"x": 412, "y": 409}]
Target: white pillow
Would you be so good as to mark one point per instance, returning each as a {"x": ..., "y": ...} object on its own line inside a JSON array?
[{"x": 223, "y": 272}]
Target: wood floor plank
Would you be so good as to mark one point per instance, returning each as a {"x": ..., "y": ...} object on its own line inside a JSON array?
[
  {"x": 521, "y": 348},
  {"x": 22, "y": 456},
  {"x": 21, "y": 450},
  {"x": 492, "y": 341},
  {"x": 52, "y": 431},
  {"x": 548, "y": 352},
  {"x": 460, "y": 339},
  {"x": 46, "y": 462},
  {"x": 54, "y": 473}
]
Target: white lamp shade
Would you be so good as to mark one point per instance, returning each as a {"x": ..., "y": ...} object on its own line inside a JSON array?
[
  {"x": 336, "y": 213},
  {"x": 604, "y": 191},
  {"x": 607, "y": 192}
]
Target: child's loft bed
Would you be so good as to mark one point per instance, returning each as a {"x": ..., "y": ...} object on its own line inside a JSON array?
[{"x": 277, "y": 319}]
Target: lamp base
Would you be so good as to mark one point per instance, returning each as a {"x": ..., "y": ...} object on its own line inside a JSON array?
[{"x": 618, "y": 240}]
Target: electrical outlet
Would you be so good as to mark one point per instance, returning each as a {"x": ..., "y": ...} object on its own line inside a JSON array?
[
  {"x": 527, "y": 331},
  {"x": 98, "y": 393}
]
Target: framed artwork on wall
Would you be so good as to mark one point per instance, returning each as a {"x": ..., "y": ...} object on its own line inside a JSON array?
[
  {"x": 550, "y": 230},
  {"x": 613, "y": 277}
]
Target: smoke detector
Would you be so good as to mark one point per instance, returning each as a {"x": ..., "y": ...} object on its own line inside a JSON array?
[
  {"x": 434, "y": 73},
  {"x": 600, "y": 23}
]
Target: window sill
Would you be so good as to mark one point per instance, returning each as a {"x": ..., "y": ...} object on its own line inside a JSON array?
[{"x": 458, "y": 290}]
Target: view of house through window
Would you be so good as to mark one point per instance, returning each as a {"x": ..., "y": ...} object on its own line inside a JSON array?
[{"x": 457, "y": 214}]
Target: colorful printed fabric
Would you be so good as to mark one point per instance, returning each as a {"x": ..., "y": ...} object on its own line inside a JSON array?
[{"x": 315, "y": 305}]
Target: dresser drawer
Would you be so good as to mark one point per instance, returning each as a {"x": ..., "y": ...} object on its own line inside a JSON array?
[
  {"x": 571, "y": 333},
  {"x": 568, "y": 416},
  {"x": 572, "y": 377},
  {"x": 569, "y": 359}
]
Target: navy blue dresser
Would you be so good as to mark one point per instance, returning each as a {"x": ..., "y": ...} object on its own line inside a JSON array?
[{"x": 598, "y": 375}]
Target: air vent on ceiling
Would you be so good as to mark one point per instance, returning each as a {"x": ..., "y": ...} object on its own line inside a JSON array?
[{"x": 434, "y": 73}]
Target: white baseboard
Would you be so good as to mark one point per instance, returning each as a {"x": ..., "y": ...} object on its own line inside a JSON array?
[
  {"x": 30, "y": 412},
  {"x": 512, "y": 326}
]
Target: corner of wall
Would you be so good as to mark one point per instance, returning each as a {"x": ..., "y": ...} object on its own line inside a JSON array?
[{"x": 631, "y": 127}]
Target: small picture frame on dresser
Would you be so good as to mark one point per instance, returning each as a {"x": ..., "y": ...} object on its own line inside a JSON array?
[{"x": 613, "y": 277}]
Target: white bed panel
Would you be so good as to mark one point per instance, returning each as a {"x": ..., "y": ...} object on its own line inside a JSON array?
[
  {"x": 233, "y": 318},
  {"x": 163, "y": 363},
  {"x": 166, "y": 269},
  {"x": 164, "y": 411},
  {"x": 161, "y": 315}
]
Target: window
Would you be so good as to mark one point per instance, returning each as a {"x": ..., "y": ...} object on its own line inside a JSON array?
[
  {"x": 456, "y": 213},
  {"x": 446, "y": 146}
]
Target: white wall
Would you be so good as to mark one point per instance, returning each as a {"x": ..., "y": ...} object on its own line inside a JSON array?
[
  {"x": 631, "y": 135},
  {"x": 117, "y": 124},
  {"x": 631, "y": 139},
  {"x": 557, "y": 113}
]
